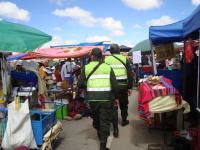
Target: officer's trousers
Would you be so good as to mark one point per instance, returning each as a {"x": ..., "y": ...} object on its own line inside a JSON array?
[
  {"x": 102, "y": 117},
  {"x": 123, "y": 103}
]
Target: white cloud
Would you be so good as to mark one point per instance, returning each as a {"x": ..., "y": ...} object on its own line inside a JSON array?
[
  {"x": 58, "y": 29},
  {"x": 164, "y": 20},
  {"x": 111, "y": 24},
  {"x": 58, "y": 40},
  {"x": 11, "y": 10},
  {"x": 196, "y": 2},
  {"x": 143, "y": 4},
  {"x": 82, "y": 16},
  {"x": 137, "y": 26},
  {"x": 85, "y": 18},
  {"x": 97, "y": 38},
  {"x": 58, "y": 2},
  {"x": 117, "y": 33}
]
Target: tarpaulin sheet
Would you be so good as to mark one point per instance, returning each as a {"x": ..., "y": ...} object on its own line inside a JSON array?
[
  {"x": 68, "y": 52},
  {"x": 175, "y": 32}
]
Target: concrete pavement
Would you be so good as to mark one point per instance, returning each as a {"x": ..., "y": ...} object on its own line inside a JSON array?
[{"x": 80, "y": 135}]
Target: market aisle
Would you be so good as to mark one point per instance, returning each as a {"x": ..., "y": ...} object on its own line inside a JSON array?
[{"x": 79, "y": 135}]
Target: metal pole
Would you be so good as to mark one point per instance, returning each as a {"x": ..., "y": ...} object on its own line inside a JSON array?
[
  {"x": 198, "y": 108},
  {"x": 153, "y": 59}
]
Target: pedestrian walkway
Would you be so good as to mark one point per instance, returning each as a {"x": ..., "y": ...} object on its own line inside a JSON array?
[{"x": 79, "y": 135}]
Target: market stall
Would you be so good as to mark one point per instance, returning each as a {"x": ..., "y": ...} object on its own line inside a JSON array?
[
  {"x": 186, "y": 30},
  {"x": 21, "y": 38}
]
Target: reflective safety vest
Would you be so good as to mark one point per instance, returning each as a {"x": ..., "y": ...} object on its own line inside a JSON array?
[
  {"x": 99, "y": 81},
  {"x": 119, "y": 69}
]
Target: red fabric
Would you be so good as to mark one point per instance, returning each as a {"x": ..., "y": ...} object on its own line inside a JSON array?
[
  {"x": 76, "y": 107},
  {"x": 58, "y": 75},
  {"x": 195, "y": 134},
  {"x": 21, "y": 148},
  {"x": 188, "y": 52}
]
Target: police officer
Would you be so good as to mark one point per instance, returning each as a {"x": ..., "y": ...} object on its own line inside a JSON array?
[
  {"x": 124, "y": 76},
  {"x": 99, "y": 81}
]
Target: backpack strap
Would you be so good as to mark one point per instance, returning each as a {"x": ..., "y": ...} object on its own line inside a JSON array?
[
  {"x": 95, "y": 68},
  {"x": 120, "y": 60}
]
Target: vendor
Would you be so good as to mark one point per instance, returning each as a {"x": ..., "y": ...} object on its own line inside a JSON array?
[
  {"x": 67, "y": 71},
  {"x": 41, "y": 71},
  {"x": 57, "y": 73},
  {"x": 19, "y": 67}
]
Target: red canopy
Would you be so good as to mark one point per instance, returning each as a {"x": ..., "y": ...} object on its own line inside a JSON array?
[{"x": 68, "y": 52}]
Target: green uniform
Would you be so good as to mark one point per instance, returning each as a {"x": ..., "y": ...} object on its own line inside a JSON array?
[
  {"x": 124, "y": 77},
  {"x": 100, "y": 87}
]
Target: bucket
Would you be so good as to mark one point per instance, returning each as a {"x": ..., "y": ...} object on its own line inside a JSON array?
[{"x": 61, "y": 108}]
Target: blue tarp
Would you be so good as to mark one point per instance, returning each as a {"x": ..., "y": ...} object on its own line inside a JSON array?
[
  {"x": 16, "y": 57},
  {"x": 192, "y": 23},
  {"x": 175, "y": 32}
]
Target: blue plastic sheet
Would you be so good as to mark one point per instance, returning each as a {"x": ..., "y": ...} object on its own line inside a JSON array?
[{"x": 176, "y": 32}]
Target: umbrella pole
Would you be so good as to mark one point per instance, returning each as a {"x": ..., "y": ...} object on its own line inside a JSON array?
[
  {"x": 198, "y": 108},
  {"x": 153, "y": 59}
]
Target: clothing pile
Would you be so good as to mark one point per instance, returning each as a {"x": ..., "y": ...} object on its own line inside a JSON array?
[{"x": 152, "y": 88}]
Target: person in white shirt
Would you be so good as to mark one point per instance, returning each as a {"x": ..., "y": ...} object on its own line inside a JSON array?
[{"x": 67, "y": 71}]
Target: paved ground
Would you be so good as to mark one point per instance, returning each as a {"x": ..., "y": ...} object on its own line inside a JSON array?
[{"x": 79, "y": 135}]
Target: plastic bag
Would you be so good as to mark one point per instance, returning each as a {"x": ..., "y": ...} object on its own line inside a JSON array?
[{"x": 19, "y": 130}]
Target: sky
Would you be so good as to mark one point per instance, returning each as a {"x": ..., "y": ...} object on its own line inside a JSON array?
[{"x": 125, "y": 22}]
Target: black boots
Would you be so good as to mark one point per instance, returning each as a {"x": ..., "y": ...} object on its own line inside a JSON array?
[
  {"x": 125, "y": 122},
  {"x": 103, "y": 146},
  {"x": 116, "y": 133}
]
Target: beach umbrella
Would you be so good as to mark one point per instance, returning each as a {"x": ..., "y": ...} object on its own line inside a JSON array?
[{"x": 20, "y": 38}]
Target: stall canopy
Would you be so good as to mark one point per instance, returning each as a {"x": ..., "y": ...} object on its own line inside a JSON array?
[
  {"x": 68, "y": 52},
  {"x": 106, "y": 45},
  {"x": 20, "y": 38},
  {"x": 192, "y": 23},
  {"x": 145, "y": 47},
  {"x": 175, "y": 32}
]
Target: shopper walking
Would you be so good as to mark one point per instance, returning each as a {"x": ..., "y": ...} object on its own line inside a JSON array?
[
  {"x": 123, "y": 73},
  {"x": 100, "y": 82}
]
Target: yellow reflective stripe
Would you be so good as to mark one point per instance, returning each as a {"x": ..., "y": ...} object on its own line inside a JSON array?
[
  {"x": 117, "y": 66},
  {"x": 100, "y": 76},
  {"x": 121, "y": 77},
  {"x": 98, "y": 89}
]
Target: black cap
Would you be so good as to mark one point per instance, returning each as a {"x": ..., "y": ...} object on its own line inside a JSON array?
[
  {"x": 96, "y": 52},
  {"x": 114, "y": 49}
]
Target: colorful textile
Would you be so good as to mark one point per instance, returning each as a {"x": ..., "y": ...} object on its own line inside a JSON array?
[{"x": 148, "y": 94}]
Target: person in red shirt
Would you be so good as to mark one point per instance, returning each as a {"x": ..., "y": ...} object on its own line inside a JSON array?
[{"x": 57, "y": 73}]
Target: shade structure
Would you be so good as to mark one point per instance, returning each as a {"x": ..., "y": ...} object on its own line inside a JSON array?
[
  {"x": 145, "y": 46},
  {"x": 166, "y": 34},
  {"x": 192, "y": 23},
  {"x": 20, "y": 38},
  {"x": 178, "y": 31},
  {"x": 104, "y": 44},
  {"x": 67, "y": 52}
]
